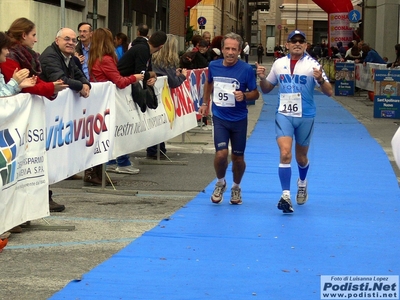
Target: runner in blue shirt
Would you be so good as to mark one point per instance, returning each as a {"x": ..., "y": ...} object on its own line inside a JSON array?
[
  {"x": 297, "y": 74},
  {"x": 230, "y": 83}
]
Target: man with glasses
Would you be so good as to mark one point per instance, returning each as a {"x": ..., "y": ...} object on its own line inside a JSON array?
[
  {"x": 82, "y": 48},
  {"x": 297, "y": 74},
  {"x": 58, "y": 64}
]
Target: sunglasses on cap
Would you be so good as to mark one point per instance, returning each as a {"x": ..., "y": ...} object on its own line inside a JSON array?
[{"x": 295, "y": 41}]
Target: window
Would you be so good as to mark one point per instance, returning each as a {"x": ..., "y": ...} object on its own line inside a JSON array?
[{"x": 72, "y": 4}]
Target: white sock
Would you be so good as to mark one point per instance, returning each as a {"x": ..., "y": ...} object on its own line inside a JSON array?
[
  {"x": 235, "y": 186},
  {"x": 221, "y": 180}
]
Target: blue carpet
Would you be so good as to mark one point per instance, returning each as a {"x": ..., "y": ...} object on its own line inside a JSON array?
[{"x": 349, "y": 226}]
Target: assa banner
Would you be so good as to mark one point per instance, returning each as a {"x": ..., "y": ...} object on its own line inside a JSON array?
[{"x": 23, "y": 161}]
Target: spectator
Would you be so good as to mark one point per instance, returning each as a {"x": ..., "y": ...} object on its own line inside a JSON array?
[
  {"x": 216, "y": 47},
  {"x": 235, "y": 80},
  {"x": 372, "y": 55},
  {"x": 318, "y": 50},
  {"x": 207, "y": 37},
  {"x": 354, "y": 53},
  {"x": 349, "y": 46},
  {"x": 82, "y": 48},
  {"x": 57, "y": 63},
  {"x": 310, "y": 51},
  {"x": 217, "y": 42},
  {"x": 166, "y": 63},
  {"x": 121, "y": 44},
  {"x": 335, "y": 53},
  {"x": 342, "y": 50},
  {"x": 22, "y": 33},
  {"x": 142, "y": 31},
  {"x": 103, "y": 67},
  {"x": 197, "y": 58},
  {"x": 20, "y": 78},
  {"x": 138, "y": 59},
  {"x": 246, "y": 51},
  {"x": 19, "y": 81},
  {"x": 260, "y": 53},
  {"x": 195, "y": 40},
  {"x": 396, "y": 62}
]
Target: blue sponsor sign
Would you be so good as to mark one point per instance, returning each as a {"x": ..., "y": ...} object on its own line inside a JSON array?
[
  {"x": 344, "y": 79},
  {"x": 387, "y": 94}
]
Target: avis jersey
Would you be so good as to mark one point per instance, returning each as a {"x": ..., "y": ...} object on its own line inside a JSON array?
[{"x": 302, "y": 81}]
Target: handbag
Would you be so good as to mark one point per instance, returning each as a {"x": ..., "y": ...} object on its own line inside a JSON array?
[{"x": 144, "y": 97}]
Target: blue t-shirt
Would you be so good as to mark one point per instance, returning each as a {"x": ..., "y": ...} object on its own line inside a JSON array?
[
  {"x": 119, "y": 51},
  {"x": 242, "y": 75}
]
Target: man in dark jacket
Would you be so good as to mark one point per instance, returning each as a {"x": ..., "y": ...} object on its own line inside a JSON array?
[
  {"x": 58, "y": 63},
  {"x": 138, "y": 59}
]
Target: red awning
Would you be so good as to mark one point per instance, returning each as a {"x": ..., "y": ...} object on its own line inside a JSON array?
[
  {"x": 190, "y": 3},
  {"x": 333, "y": 6}
]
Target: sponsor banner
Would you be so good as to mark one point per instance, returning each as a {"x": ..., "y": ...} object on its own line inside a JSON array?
[
  {"x": 23, "y": 161},
  {"x": 195, "y": 84},
  {"x": 79, "y": 130},
  {"x": 344, "y": 79},
  {"x": 359, "y": 287},
  {"x": 387, "y": 94},
  {"x": 365, "y": 75},
  {"x": 134, "y": 130},
  {"x": 339, "y": 29}
]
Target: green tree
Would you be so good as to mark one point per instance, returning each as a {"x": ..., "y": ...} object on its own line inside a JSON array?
[{"x": 189, "y": 33}]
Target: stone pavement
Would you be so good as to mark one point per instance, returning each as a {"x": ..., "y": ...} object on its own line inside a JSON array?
[{"x": 37, "y": 263}]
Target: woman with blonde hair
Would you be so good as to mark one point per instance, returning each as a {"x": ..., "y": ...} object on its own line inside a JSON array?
[
  {"x": 165, "y": 62},
  {"x": 102, "y": 67}
]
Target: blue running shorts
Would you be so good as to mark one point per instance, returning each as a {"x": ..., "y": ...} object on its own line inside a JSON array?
[
  {"x": 300, "y": 128},
  {"x": 235, "y": 131}
]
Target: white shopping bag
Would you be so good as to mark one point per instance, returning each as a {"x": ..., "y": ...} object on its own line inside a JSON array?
[{"x": 396, "y": 147}]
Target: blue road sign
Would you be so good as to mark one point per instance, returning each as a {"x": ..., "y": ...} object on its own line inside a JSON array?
[
  {"x": 202, "y": 21},
  {"x": 354, "y": 16}
]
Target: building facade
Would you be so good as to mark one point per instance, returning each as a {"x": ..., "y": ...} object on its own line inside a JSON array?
[
  {"x": 117, "y": 15},
  {"x": 257, "y": 21}
]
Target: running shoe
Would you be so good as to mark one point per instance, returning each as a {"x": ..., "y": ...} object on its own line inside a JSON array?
[
  {"x": 217, "y": 195},
  {"x": 302, "y": 195},
  {"x": 285, "y": 204},
  {"x": 127, "y": 170},
  {"x": 111, "y": 168},
  {"x": 236, "y": 196}
]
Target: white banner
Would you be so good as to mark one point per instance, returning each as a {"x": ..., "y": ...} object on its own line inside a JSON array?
[
  {"x": 365, "y": 75},
  {"x": 79, "y": 130},
  {"x": 135, "y": 130},
  {"x": 23, "y": 161},
  {"x": 77, "y": 133}
]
